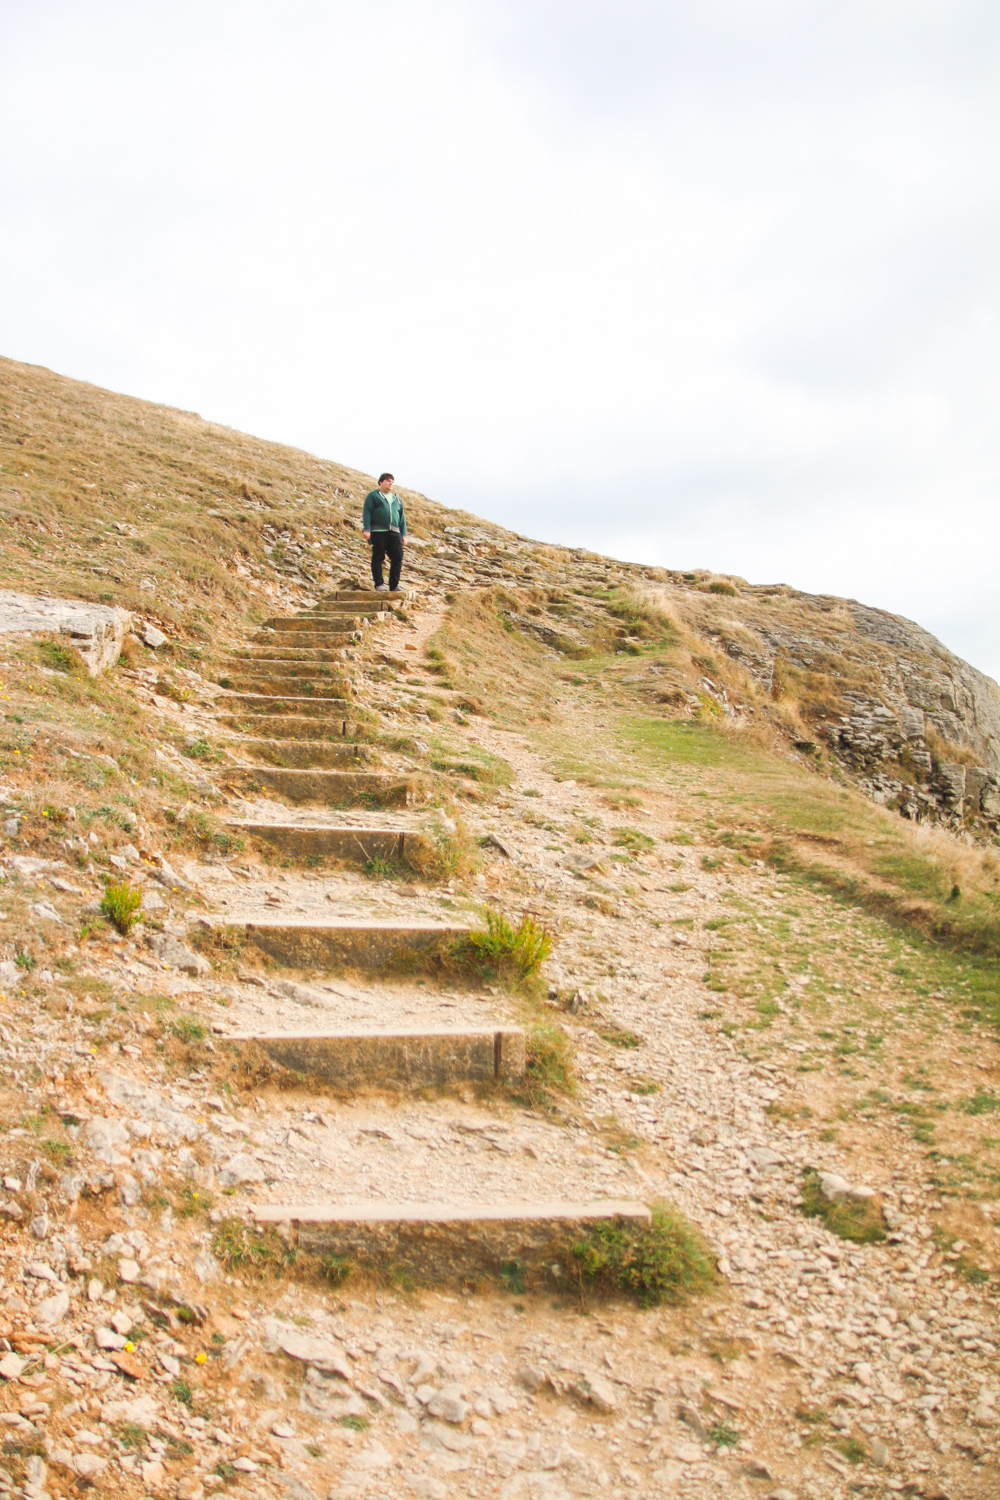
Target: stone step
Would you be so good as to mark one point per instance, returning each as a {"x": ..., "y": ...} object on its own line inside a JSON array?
[
  {"x": 294, "y": 726},
  {"x": 339, "y": 596},
  {"x": 307, "y": 754},
  {"x": 263, "y": 703},
  {"x": 304, "y": 668},
  {"x": 333, "y": 788},
  {"x": 304, "y": 640},
  {"x": 303, "y": 687},
  {"x": 331, "y": 620},
  {"x": 286, "y": 652},
  {"x": 410, "y": 1058},
  {"x": 346, "y": 943},
  {"x": 444, "y": 1242},
  {"x": 323, "y": 841}
]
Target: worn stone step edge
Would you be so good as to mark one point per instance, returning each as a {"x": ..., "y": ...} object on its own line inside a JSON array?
[
  {"x": 356, "y": 844},
  {"x": 267, "y": 686},
  {"x": 350, "y": 944},
  {"x": 254, "y": 749},
  {"x": 287, "y": 652},
  {"x": 304, "y": 640},
  {"x": 322, "y": 785},
  {"x": 441, "y": 1243},
  {"x": 414, "y": 1057},
  {"x": 283, "y": 666},
  {"x": 264, "y": 704},
  {"x": 292, "y": 727}
]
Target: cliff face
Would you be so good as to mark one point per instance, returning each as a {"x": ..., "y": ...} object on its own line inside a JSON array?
[{"x": 918, "y": 727}]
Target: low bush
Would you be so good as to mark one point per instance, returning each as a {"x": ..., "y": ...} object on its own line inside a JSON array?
[
  {"x": 121, "y": 904},
  {"x": 666, "y": 1261},
  {"x": 504, "y": 951}
]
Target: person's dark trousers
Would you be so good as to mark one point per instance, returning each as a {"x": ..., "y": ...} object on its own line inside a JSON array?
[{"x": 387, "y": 543}]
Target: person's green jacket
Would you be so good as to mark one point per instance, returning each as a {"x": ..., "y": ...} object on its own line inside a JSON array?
[{"x": 383, "y": 513}]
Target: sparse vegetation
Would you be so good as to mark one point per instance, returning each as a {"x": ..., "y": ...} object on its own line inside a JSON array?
[
  {"x": 857, "y": 1219},
  {"x": 121, "y": 904},
  {"x": 242, "y": 1246},
  {"x": 504, "y": 951},
  {"x": 668, "y": 1262}
]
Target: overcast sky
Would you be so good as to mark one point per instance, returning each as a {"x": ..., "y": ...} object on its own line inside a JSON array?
[{"x": 699, "y": 284}]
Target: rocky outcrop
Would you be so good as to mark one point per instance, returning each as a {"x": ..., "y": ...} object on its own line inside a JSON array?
[
  {"x": 918, "y": 728},
  {"x": 95, "y": 630}
]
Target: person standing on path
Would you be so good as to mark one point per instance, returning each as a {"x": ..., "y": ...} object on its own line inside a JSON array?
[{"x": 383, "y": 524}]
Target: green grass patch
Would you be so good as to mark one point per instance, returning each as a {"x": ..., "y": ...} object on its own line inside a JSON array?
[
  {"x": 617, "y": 1036},
  {"x": 981, "y": 1103},
  {"x": 857, "y": 1219},
  {"x": 666, "y": 1262},
  {"x": 188, "y": 1029},
  {"x": 723, "y": 1436},
  {"x": 548, "y": 1069},
  {"x": 251, "y": 1247},
  {"x": 633, "y": 838}
]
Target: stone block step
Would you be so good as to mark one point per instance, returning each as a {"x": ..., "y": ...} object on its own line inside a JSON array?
[
  {"x": 333, "y": 788},
  {"x": 293, "y": 726},
  {"x": 321, "y": 841},
  {"x": 443, "y": 1242},
  {"x": 264, "y": 703},
  {"x": 302, "y": 687},
  {"x": 299, "y": 668},
  {"x": 331, "y": 620},
  {"x": 306, "y": 640},
  {"x": 306, "y": 754},
  {"x": 411, "y": 1058},
  {"x": 293, "y": 645},
  {"x": 356, "y": 596},
  {"x": 348, "y": 944},
  {"x": 286, "y": 652}
]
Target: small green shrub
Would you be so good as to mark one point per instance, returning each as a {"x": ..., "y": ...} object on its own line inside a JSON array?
[
  {"x": 336, "y": 1269},
  {"x": 506, "y": 951},
  {"x": 513, "y": 1278},
  {"x": 57, "y": 657},
  {"x": 723, "y": 1436},
  {"x": 202, "y": 750},
  {"x": 548, "y": 1067},
  {"x": 188, "y": 1029},
  {"x": 182, "y": 1391},
  {"x": 857, "y": 1219},
  {"x": 722, "y": 588},
  {"x": 668, "y": 1261},
  {"x": 120, "y": 904},
  {"x": 353, "y": 1424},
  {"x": 130, "y": 1434},
  {"x": 25, "y": 960},
  {"x": 241, "y": 1247}
]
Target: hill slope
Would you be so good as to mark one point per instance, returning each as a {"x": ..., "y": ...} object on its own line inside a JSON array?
[
  {"x": 770, "y": 1013},
  {"x": 107, "y": 498}
]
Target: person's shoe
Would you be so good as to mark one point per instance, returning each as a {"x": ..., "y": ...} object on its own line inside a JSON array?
[{"x": 381, "y": 588}]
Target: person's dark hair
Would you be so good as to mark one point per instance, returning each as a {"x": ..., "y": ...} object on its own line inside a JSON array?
[{"x": 385, "y": 476}]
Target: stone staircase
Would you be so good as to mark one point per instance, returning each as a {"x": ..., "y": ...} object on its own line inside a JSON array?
[{"x": 295, "y": 734}]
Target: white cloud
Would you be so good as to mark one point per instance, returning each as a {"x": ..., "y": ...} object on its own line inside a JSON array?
[{"x": 712, "y": 284}]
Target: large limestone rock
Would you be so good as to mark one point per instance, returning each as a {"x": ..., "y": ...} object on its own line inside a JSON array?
[{"x": 96, "y": 630}]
